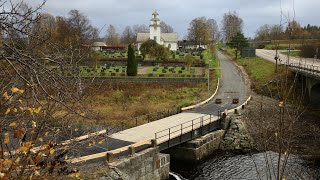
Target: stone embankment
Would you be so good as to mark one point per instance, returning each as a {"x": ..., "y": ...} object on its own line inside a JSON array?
[
  {"x": 148, "y": 164},
  {"x": 236, "y": 137}
]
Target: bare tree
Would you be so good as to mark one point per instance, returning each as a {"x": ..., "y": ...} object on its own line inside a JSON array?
[
  {"x": 142, "y": 28},
  {"x": 127, "y": 36},
  {"x": 213, "y": 29},
  {"x": 231, "y": 24},
  {"x": 166, "y": 28},
  {"x": 202, "y": 30},
  {"x": 112, "y": 37},
  {"x": 40, "y": 93},
  {"x": 80, "y": 26}
]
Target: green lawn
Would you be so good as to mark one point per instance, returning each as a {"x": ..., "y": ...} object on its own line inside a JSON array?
[
  {"x": 292, "y": 53},
  {"x": 282, "y": 46},
  {"x": 260, "y": 71}
]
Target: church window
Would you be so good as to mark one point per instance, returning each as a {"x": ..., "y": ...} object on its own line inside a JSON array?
[{"x": 155, "y": 38}]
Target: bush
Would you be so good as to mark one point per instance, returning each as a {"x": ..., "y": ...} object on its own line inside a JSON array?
[
  {"x": 309, "y": 50},
  {"x": 261, "y": 46}
]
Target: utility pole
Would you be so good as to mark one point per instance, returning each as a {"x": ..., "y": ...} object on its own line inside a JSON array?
[{"x": 209, "y": 78}]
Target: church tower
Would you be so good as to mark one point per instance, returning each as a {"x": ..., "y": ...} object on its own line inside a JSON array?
[{"x": 155, "y": 30}]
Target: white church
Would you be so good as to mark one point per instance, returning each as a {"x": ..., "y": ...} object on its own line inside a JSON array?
[{"x": 169, "y": 40}]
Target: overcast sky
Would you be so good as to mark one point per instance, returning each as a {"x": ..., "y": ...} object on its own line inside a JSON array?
[{"x": 179, "y": 13}]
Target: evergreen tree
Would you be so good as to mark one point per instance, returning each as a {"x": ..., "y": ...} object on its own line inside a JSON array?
[
  {"x": 132, "y": 66},
  {"x": 238, "y": 42}
]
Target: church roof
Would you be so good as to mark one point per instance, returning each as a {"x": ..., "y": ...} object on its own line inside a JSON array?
[
  {"x": 155, "y": 13},
  {"x": 169, "y": 37},
  {"x": 166, "y": 37},
  {"x": 142, "y": 37},
  {"x": 99, "y": 44}
]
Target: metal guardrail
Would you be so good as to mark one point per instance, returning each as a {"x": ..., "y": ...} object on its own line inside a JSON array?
[
  {"x": 187, "y": 131},
  {"x": 306, "y": 68}
]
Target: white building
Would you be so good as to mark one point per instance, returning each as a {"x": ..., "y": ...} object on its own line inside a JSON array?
[
  {"x": 169, "y": 40},
  {"x": 98, "y": 46}
]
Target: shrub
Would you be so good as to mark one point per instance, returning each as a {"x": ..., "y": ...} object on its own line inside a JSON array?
[{"x": 309, "y": 50}]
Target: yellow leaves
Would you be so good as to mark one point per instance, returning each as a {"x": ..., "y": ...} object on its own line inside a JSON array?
[
  {"x": 92, "y": 143},
  {"x": 46, "y": 134},
  {"x": 6, "y": 96},
  {"x": 37, "y": 110},
  {"x": 15, "y": 110},
  {"x": 34, "y": 110},
  {"x": 51, "y": 151},
  {"x": 40, "y": 139},
  {"x": 2, "y": 175},
  {"x": 34, "y": 124},
  {"x": 21, "y": 108},
  {"x": 17, "y": 160},
  {"x": 25, "y": 147},
  {"x": 17, "y": 90},
  {"x": 36, "y": 173},
  {"x": 32, "y": 132},
  {"x": 13, "y": 125},
  {"x": 22, "y": 149},
  {"x": 6, "y": 138},
  {"x": 7, "y": 111},
  {"x": 6, "y": 162},
  {"x": 75, "y": 174},
  {"x": 281, "y": 104},
  {"x": 102, "y": 141},
  {"x": 20, "y": 101}
]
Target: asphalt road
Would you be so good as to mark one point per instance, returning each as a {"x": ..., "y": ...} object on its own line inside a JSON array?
[
  {"x": 232, "y": 86},
  {"x": 270, "y": 54}
]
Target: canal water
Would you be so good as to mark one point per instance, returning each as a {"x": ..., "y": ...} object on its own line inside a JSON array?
[{"x": 260, "y": 166}]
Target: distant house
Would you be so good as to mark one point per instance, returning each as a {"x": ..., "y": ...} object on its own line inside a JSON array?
[
  {"x": 98, "y": 46},
  {"x": 169, "y": 40}
]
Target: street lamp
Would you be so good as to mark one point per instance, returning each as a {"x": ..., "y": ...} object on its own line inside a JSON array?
[{"x": 209, "y": 77}]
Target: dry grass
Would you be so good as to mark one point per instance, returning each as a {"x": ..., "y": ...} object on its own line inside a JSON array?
[{"x": 113, "y": 104}]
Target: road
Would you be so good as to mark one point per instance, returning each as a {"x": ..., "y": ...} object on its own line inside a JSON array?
[
  {"x": 232, "y": 86},
  {"x": 270, "y": 54}
]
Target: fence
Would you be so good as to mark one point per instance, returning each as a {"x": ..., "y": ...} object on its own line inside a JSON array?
[
  {"x": 187, "y": 131},
  {"x": 306, "y": 69}
]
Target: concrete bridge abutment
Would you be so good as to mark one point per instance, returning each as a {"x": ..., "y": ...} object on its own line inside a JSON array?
[{"x": 313, "y": 88}]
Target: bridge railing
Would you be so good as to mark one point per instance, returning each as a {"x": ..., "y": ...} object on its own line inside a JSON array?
[
  {"x": 306, "y": 68},
  {"x": 187, "y": 131}
]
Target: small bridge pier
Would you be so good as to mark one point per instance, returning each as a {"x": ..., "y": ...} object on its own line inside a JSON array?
[
  {"x": 313, "y": 87},
  {"x": 310, "y": 75}
]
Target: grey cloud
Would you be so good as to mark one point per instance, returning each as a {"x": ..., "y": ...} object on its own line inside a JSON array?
[{"x": 179, "y": 13}]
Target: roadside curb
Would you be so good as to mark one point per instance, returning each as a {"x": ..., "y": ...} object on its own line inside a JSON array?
[
  {"x": 237, "y": 109},
  {"x": 204, "y": 102}
]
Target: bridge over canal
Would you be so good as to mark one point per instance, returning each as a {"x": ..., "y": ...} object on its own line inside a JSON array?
[
  {"x": 178, "y": 128},
  {"x": 307, "y": 67}
]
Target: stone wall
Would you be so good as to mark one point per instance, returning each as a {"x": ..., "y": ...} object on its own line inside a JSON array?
[
  {"x": 145, "y": 165},
  {"x": 150, "y": 80},
  {"x": 236, "y": 137},
  {"x": 197, "y": 149}
]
